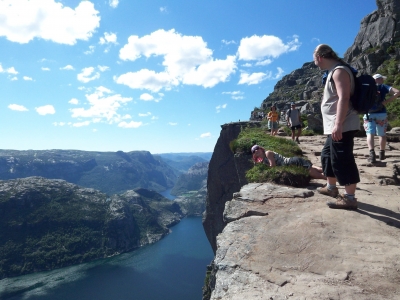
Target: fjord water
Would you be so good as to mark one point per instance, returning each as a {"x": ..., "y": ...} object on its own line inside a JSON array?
[{"x": 173, "y": 268}]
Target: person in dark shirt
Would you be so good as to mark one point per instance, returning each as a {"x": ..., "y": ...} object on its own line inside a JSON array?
[{"x": 376, "y": 121}]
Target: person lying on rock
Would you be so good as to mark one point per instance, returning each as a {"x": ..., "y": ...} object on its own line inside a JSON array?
[{"x": 272, "y": 159}]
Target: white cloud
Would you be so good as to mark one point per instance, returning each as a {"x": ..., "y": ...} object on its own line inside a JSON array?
[
  {"x": 164, "y": 9},
  {"x": 236, "y": 95},
  {"x": 205, "y": 135},
  {"x": 219, "y": 107},
  {"x": 80, "y": 124},
  {"x": 8, "y": 71},
  {"x": 146, "y": 79},
  {"x": 264, "y": 62},
  {"x": 86, "y": 75},
  {"x": 24, "y": 20},
  {"x": 27, "y": 78},
  {"x": 146, "y": 97},
  {"x": 260, "y": 47},
  {"x": 45, "y": 69},
  {"x": 109, "y": 38},
  {"x": 280, "y": 73},
  {"x": 67, "y": 67},
  {"x": 145, "y": 115},
  {"x": 90, "y": 51},
  {"x": 17, "y": 107},
  {"x": 103, "y": 68},
  {"x": 73, "y": 101},
  {"x": 186, "y": 60},
  {"x": 228, "y": 42},
  {"x": 254, "y": 78},
  {"x": 131, "y": 124},
  {"x": 13, "y": 78},
  {"x": 45, "y": 110},
  {"x": 59, "y": 124},
  {"x": 113, "y": 3},
  {"x": 315, "y": 40},
  {"x": 103, "y": 106},
  {"x": 154, "y": 118},
  {"x": 172, "y": 123}
]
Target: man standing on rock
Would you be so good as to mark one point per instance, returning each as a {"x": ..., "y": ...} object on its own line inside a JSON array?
[
  {"x": 340, "y": 123},
  {"x": 293, "y": 119},
  {"x": 376, "y": 122}
]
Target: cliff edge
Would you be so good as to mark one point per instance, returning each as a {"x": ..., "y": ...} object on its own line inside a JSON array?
[{"x": 285, "y": 243}]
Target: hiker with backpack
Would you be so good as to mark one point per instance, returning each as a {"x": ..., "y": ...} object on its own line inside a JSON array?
[
  {"x": 293, "y": 119},
  {"x": 375, "y": 122},
  {"x": 340, "y": 122}
]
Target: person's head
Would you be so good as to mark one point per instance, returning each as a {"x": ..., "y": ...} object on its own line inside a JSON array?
[
  {"x": 379, "y": 79},
  {"x": 324, "y": 55},
  {"x": 273, "y": 108},
  {"x": 258, "y": 153},
  {"x": 292, "y": 105}
]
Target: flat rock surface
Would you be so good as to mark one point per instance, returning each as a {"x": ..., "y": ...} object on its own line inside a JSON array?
[{"x": 285, "y": 243}]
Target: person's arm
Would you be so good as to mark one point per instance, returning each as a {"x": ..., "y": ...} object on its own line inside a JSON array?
[
  {"x": 270, "y": 155},
  {"x": 395, "y": 94},
  {"x": 299, "y": 116},
  {"x": 288, "y": 119},
  {"x": 343, "y": 88}
]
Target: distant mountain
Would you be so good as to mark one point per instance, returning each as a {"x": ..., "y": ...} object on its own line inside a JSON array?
[
  {"x": 183, "y": 161},
  {"x": 193, "y": 180},
  {"x": 47, "y": 223},
  {"x": 109, "y": 172}
]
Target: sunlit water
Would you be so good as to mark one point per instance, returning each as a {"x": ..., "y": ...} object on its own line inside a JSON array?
[{"x": 173, "y": 268}]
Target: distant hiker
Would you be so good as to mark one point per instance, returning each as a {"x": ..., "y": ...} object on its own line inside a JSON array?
[
  {"x": 341, "y": 123},
  {"x": 376, "y": 122},
  {"x": 273, "y": 117},
  {"x": 293, "y": 119},
  {"x": 272, "y": 159}
]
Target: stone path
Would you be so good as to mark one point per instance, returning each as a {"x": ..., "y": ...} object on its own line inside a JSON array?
[{"x": 285, "y": 243}]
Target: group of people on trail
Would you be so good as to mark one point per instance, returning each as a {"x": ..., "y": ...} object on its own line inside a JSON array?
[
  {"x": 293, "y": 120},
  {"x": 340, "y": 124}
]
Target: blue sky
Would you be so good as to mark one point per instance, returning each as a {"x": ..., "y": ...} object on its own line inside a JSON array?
[{"x": 161, "y": 76}]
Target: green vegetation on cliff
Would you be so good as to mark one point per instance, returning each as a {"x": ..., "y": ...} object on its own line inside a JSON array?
[{"x": 288, "y": 175}]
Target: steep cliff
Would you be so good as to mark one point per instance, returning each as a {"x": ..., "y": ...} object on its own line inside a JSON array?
[
  {"x": 272, "y": 243},
  {"x": 223, "y": 179},
  {"x": 285, "y": 243}
]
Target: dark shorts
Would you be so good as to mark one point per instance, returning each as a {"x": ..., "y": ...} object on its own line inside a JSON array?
[
  {"x": 338, "y": 161},
  {"x": 295, "y": 127},
  {"x": 301, "y": 162}
]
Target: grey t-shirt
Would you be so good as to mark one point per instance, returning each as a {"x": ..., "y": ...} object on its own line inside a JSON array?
[{"x": 294, "y": 116}]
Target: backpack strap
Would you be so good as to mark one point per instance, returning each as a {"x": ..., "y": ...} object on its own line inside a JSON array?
[{"x": 348, "y": 69}]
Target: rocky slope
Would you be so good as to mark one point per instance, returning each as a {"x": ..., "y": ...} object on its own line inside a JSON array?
[
  {"x": 376, "y": 44},
  {"x": 110, "y": 172},
  {"x": 47, "y": 224},
  {"x": 276, "y": 243},
  {"x": 285, "y": 243}
]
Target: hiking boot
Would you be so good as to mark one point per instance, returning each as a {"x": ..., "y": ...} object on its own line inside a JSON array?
[
  {"x": 325, "y": 191},
  {"x": 297, "y": 140},
  {"x": 342, "y": 202},
  {"x": 372, "y": 157},
  {"x": 382, "y": 155}
]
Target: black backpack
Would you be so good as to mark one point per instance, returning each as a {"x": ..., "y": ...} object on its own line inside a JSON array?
[{"x": 365, "y": 94}]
